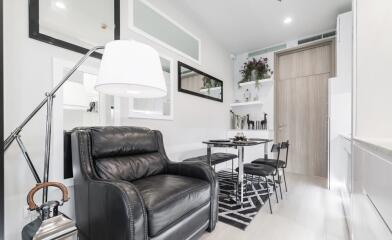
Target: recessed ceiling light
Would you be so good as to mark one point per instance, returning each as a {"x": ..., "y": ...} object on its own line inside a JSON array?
[
  {"x": 60, "y": 5},
  {"x": 287, "y": 20}
]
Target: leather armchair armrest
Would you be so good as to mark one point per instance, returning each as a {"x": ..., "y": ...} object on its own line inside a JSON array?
[
  {"x": 116, "y": 211},
  {"x": 104, "y": 209},
  {"x": 204, "y": 172}
]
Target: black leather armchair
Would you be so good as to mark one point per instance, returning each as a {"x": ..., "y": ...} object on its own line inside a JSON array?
[{"x": 127, "y": 188}]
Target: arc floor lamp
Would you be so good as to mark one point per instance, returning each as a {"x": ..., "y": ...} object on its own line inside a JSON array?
[{"x": 128, "y": 68}]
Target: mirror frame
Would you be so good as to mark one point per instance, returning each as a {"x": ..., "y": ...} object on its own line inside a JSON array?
[
  {"x": 34, "y": 32},
  {"x": 180, "y": 89}
]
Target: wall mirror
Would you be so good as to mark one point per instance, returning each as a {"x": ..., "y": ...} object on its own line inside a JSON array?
[
  {"x": 198, "y": 83},
  {"x": 77, "y": 104},
  {"x": 73, "y": 24},
  {"x": 156, "y": 108}
]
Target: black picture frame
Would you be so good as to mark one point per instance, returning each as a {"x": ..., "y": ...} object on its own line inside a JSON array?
[
  {"x": 35, "y": 34},
  {"x": 180, "y": 89}
]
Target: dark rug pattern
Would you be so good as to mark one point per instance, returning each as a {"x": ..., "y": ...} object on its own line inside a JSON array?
[{"x": 254, "y": 198}]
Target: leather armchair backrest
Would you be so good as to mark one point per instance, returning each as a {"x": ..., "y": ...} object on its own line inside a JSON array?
[{"x": 126, "y": 153}]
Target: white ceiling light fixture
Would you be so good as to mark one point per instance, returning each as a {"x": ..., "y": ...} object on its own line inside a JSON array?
[
  {"x": 60, "y": 5},
  {"x": 287, "y": 20}
]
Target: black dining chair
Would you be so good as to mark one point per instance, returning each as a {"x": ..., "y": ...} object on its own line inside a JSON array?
[
  {"x": 216, "y": 158},
  {"x": 282, "y": 164},
  {"x": 265, "y": 171}
]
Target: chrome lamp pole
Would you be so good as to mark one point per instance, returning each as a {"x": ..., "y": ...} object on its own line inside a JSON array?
[{"x": 48, "y": 101}]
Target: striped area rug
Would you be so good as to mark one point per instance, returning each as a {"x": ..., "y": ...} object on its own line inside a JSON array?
[{"x": 254, "y": 198}]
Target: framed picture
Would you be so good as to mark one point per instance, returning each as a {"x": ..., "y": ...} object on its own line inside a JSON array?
[{"x": 75, "y": 25}]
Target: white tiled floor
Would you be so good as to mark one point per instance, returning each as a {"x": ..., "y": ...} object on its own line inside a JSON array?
[{"x": 308, "y": 211}]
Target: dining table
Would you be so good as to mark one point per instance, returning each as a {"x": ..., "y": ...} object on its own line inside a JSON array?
[{"x": 240, "y": 145}]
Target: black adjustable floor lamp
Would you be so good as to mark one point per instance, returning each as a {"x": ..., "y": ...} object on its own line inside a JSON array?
[{"x": 128, "y": 69}]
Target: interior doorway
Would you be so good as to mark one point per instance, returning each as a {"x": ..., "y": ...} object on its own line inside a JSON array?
[{"x": 301, "y": 105}]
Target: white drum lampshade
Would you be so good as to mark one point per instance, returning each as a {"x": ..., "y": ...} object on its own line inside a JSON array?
[{"x": 131, "y": 69}]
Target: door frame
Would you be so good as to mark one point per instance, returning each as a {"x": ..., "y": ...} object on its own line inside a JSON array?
[{"x": 324, "y": 42}]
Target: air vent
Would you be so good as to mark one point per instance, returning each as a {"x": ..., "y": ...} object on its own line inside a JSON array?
[
  {"x": 317, "y": 37},
  {"x": 310, "y": 39},
  {"x": 329, "y": 34},
  {"x": 267, "y": 50}
]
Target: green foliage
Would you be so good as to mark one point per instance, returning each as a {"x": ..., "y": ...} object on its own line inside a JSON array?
[
  {"x": 260, "y": 68},
  {"x": 209, "y": 83}
]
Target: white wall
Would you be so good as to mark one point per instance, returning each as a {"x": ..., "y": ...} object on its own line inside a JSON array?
[
  {"x": 195, "y": 118},
  {"x": 28, "y": 74},
  {"x": 266, "y": 93}
]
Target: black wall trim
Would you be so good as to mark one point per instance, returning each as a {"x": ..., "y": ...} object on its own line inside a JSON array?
[
  {"x": 35, "y": 34},
  {"x": 1, "y": 125}
]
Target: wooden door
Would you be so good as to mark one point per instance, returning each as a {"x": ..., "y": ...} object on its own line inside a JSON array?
[{"x": 301, "y": 97}]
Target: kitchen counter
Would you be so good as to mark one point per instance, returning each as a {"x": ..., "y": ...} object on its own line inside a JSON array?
[{"x": 383, "y": 145}]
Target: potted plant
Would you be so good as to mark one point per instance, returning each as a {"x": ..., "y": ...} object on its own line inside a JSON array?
[
  {"x": 209, "y": 83},
  {"x": 255, "y": 70}
]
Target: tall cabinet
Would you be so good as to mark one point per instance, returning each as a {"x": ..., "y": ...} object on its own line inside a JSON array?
[
  {"x": 340, "y": 110},
  {"x": 371, "y": 197}
]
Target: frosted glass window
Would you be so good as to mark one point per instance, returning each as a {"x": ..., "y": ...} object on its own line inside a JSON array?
[
  {"x": 161, "y": 28},
  {"x": 155, "y": 108}
]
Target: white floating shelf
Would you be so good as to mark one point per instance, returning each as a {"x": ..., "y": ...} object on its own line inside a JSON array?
[
  {"x": 261, "y": 82},
  {"x": 246, "y": 104}
]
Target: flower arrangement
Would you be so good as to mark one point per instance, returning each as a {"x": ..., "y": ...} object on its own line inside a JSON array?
[{"x": 255, "y": 70}]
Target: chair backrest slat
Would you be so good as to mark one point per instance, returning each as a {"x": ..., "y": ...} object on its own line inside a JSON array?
[
  {"x": 276, "y": 148},
  {"x": 285, "y": 145}
]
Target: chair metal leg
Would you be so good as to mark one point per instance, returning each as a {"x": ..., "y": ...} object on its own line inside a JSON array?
[
  {"x": 268, "y": 192},
  {"x": 236, "y": 189},
  {"x": 276, "y": 193},
  {"x": 232, "y": 169},
  {"x": 246, "y": 183},
  {"x": 284, "y": 177},
  {"x": 280, "y": 187}
]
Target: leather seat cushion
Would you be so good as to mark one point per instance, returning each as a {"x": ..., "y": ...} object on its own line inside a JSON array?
[
  {"x": 216, "y": 158},
  {"x": 169, "y": 198},
  {"x": 270, "y": 162},
  {"x": 258, "y": 169}
]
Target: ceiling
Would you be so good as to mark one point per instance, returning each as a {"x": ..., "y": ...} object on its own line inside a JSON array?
[{"x": 244, "y": 25}]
